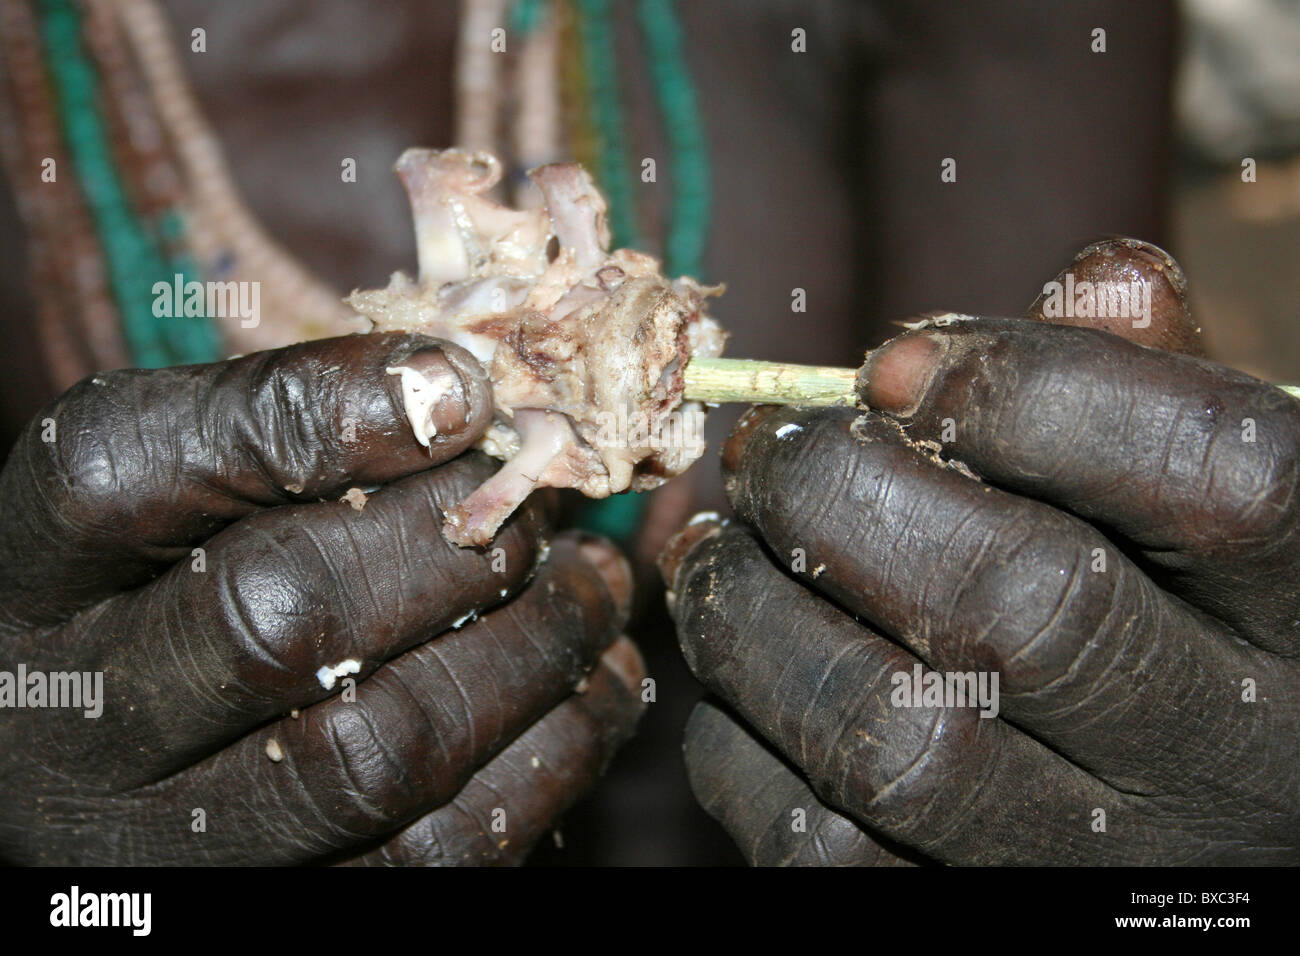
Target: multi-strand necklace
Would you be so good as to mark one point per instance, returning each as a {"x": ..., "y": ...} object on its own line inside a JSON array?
[{"x": 122, "y": 184}]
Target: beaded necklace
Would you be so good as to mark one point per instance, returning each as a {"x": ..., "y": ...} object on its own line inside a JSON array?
[{"x": 139, "y": 192}]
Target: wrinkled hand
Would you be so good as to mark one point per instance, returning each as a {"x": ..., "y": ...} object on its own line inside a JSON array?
[
  {"x": 270, "y": 689},
  {"x": 1127, "y": 567}
]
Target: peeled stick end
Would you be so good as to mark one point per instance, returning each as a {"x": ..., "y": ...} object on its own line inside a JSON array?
[{"x": 718, "y": 381}]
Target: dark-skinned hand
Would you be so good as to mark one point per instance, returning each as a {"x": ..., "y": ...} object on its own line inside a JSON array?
[
  {"x": 284, "y": 677},
  {"x": 1127, "y": 563}
]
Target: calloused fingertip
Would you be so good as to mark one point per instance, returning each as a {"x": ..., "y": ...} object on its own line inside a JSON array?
[
  {"x": 614, "y": 570},
  {"x": 896, "y": 377},
  {"x": 704, "y": 525},
  {"x": 612, "y": 696},
  {"x": 733, "y": 452},
  {"x": 623, "y": 659}
]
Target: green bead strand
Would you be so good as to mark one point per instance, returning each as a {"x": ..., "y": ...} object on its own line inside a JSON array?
[
  {"x": 607, "y": 119},
  {"x": 133, "y": 261},
  {"x": 678, "y": 105},
  {"x": 525, "y": 15}
]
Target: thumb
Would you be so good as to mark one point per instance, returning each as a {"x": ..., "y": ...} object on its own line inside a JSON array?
[
  {"x": 1127, "y": 287},
  {"x": 140, "y": 466}
]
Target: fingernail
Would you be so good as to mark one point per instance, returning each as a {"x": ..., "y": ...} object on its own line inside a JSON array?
[
  {"x": 613, "y": 569},
  {"x": 679, "y": 546},
  {"x": 614, "y": 693},
  {"x": 623, "y": 659},
  {"x": 896, "y": 376},
  {"x": 1154, "y": 258},
  {"x": 733, "y": 452},
  {"x": 1161, "y": 318},
  {"x": 437, "y": 391}
]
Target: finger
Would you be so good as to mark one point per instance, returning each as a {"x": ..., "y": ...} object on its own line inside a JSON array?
[
  {"x": 287, "y": 604},
  {"x": 1127, "y": 287},
  {"x": 128, "y": 471},
  {"x": 764, "y": 805},
  {"x": 1196, "y": 464},
  {"x": 1092, "y": 657},
  {"x": 818, "y": 686},
  {"x": 362, "y": 765},
  {"x": 511, "y": 803}
]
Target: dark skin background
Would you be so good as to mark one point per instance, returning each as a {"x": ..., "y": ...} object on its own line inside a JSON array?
[{"x": 826, "y": 178}]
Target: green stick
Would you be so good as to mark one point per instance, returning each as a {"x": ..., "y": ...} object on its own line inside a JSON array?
[{"x": 719, "y": 381}]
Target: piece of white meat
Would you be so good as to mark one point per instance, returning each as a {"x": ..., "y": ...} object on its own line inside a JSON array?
[{"x": 585, "y": 348}]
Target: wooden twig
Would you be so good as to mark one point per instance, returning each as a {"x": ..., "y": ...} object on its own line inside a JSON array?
[{"x": 719, "y": 380}]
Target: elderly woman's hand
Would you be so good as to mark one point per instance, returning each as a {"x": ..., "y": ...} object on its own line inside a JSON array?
[
  {"x": 275, "y": 675},
  {"x": 1126, "y": 566}
]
